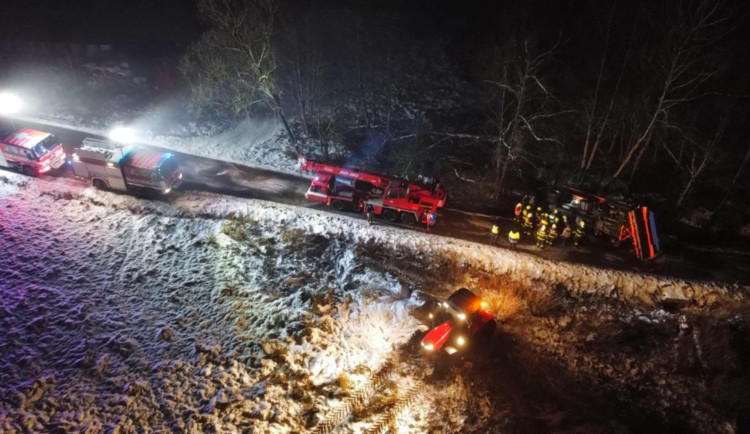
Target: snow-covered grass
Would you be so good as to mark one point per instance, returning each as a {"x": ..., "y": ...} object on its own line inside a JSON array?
[{"x": 211, "y": 313}]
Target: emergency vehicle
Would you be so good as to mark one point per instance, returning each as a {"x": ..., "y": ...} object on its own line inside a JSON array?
[
  {"x": 113, "y": 166},
  {"x": 391, "y": 198},
  {"x": 31, "y": 152},
  {"x": 462, "y": 321}
]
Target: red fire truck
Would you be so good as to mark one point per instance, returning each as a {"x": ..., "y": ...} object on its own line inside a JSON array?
[
  {"x": 111, "y": 166},
  {"x": 31, "y": 152},
  {"x": 391, "y": 198}
]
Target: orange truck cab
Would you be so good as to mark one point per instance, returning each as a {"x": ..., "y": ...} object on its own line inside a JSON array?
[{"x": 31, "y": 152}]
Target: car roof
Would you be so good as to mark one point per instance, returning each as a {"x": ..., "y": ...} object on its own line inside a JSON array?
[
  {"x": 465, "y": 301},
  {"x": 26, "y": 138}
]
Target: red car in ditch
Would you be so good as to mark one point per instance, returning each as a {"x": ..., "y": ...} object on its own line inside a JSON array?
[{"x": 462, "y": 321}]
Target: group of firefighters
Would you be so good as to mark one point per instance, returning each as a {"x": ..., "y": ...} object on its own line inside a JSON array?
[{"x": 549, "y": 227}]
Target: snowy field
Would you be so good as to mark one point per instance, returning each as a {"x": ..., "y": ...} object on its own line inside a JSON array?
[{"x": 208, "y": 313}]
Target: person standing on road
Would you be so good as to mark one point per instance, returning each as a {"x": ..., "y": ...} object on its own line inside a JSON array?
[
  {"x": 566, "y": 233},
  {"x": 552, "y": 236},
  {"x": 579, "y": 233},
  {"x": 517, "y": 211},
  {"x": 494, "y": 233},
  {"x": 514, "y": 236},
  {"x": 430, "y": 221},
  {"x": 541, "y": 235},
  {"x": 369, "y": 210},
  {"x": 528, "y": 222}
]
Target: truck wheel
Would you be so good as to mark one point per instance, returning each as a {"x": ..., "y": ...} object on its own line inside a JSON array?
[
  {"x": 390, "y": 214},
  {"x": 338, "y": 205},
  {"x": 408, "y": 218},
  {"x": 28, "y": 171},
  {"x": 100, "y": 185}
]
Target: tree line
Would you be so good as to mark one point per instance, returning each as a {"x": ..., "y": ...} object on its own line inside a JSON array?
[{"x": 623, "y": 100}]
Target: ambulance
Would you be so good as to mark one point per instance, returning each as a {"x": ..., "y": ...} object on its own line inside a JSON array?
[{"x": 31, "y": 152}]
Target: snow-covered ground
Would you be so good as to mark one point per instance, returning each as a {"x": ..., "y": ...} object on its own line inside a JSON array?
[{"x": 211, "y": 313}]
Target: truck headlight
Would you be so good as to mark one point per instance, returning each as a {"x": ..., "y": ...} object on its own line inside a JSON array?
[{"x": 167, "y": 190}]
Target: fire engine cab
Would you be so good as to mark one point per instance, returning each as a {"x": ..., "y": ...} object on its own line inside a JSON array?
[
  {"x": 31, "y": 152},
  {"x": 112, "y": 166},
  {"x": 391, "y": 198}
]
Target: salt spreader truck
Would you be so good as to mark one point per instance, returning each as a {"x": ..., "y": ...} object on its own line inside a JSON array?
[
  {"x": 31, "y": 152},
  {"x": 392, "y": 199},
  {"x": 113, "y": 166}
]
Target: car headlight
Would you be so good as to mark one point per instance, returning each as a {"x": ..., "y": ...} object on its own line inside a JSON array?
[
  {"x": 429, "y": 347},
  {"x": 166, "y": 191},
  {"x": 462, "y": 316},
  {"x": 431, "y": 315},
  {"x": 460, "y": 341}
]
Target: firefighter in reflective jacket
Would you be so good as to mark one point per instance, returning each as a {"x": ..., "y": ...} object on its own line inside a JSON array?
[
  {"x": 578, "y": 236},
  {"x": 541, "y": 235},
  {"x": 494, "y": 234},
  {"x": 528, "y": 221},
  {"x": 554, "y": 218},
  {"x": 517, "y": 212},
  {"x": 552, "y": 236},
  {"x": 514, "y": 236},
  {"x": 538, "y": 215}
]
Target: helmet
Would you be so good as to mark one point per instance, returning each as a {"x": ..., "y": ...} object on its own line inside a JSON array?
[
  {"x": 528, "y": 206},
  {"x": 519, "y": 204},
  {"x": 539, "y": 208},
  {"x": 554, "y": 226},
  {"x": 582, "y": 223}
]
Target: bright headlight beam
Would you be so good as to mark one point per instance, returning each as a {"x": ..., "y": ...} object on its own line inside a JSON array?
[
  {"x": 122, "y": 135},
  {"x": 9, "y": 103}
]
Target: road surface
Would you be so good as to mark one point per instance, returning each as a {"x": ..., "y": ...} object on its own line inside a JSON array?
[{"x": 217, "y": 176}]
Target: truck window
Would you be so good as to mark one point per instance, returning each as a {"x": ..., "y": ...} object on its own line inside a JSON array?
[
  {"x": 166, "y": 168},
  {"x": 396, "y": 194}
]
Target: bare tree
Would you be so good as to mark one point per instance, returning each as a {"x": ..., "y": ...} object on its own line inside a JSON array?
[
  {"x": 694, "y": 158},
  {"x": 519, "y": 105},
  {"x": 685, "y": 70},
  {"x": 231, "y": 67}
]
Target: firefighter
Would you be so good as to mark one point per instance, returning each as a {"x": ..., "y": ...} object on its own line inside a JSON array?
[
  {"x": 554, "y": 218},
  {"x": 369, "y": 210},
  {"x": 514, "y": 236},
  {"x": 517, "y": 212},
  {"x": 430, "y": 221},
  {"x": 538, "y": 215},
  {"x": 528, "y": 222},
  {"x": 541, "y": 235},
  {"x": 579, "y": 233},
  {"x": 552, "y": 236},
  {"x": 566, "y": 233},
  {"x": 494, "y": 234}
]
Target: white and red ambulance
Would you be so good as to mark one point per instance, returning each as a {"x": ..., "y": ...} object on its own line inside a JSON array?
[{"x": 31, "y": 152}]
